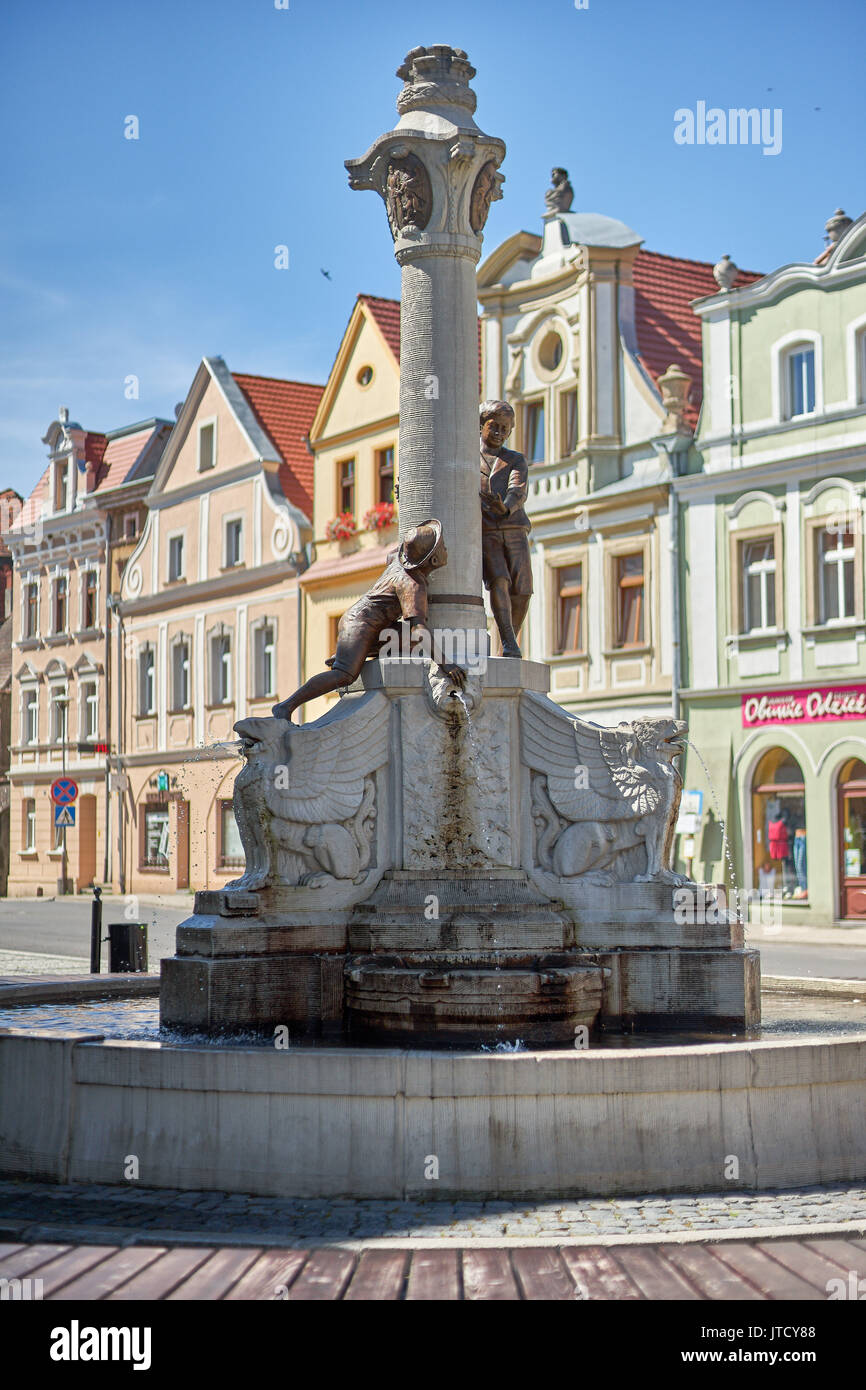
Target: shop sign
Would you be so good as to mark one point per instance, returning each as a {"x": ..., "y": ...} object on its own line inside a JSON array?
[{"x": 808, "y": 705}]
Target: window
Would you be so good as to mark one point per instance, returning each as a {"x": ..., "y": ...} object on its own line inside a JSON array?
[
  {"x": 89, "y": 714},
  {"x": 759, "y": 585},
  {"x": 59, "y": 702},
  {"x": 630, "y": 605},
  {"x": 31, "y": 608},
  {"x": 264, "y": 654},
  {"x": 61, "y": 485},
  {"x": 88, "y": 615},
  {"x": 175, "y": 557},
  {"x": 130, "y": 526},
  {"x": 28, "y": 825},
  {"x": 385, "y": 474},
  {"x": 550, "y": 351},
  {"x": 568, "y": 424},
  {"x": 836, "y": 557},
  {"x": 206, "y": 446},
  {"x": 30, "y": 717},
  {"x": 800, "y": 384},
  {"x": 146, "y": 680},
  {"x": 221, "y": 668},
  {"x": 180, "y": 675},
  {"x": 234, "y": 542},
  {"x": 779, "y": 825},
  {"x": 155, "y": 838},
  {"x": 569, "y": 629},
  {"x": 533, "y": 431},
  {"x": 860, "y": 365},
  {"x": 364, "y": 376},
  {"x": 60, "y": 597},
  {"x": 231, "y": 855},
  {"x": 346, "y": 486}
]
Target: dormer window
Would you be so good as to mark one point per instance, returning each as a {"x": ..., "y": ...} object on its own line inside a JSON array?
[
  {"x": 61, "y": 485},
  {"x": 799, "y": 368}
]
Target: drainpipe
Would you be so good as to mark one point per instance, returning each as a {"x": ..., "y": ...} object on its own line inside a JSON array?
[{"x": 674, "y": 548}]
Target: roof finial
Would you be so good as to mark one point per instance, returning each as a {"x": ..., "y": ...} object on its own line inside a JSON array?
[{"x": 725, "y": 273}]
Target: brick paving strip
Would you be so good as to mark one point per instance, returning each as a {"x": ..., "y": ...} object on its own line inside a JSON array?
[{"x": 755, "y": 1270}]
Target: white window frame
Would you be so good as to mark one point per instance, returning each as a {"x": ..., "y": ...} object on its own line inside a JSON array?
[
  {"x": 29, "y": 846},
  {"x": 59, "y": 695},
  {"x": 257, "y": 630},
  {"x": 838, "y": 558},
  {"x": 175, "y": 536},
  {"x": 780, "y": 352},
  {"x": 211, "y": 421},
  {"x": 147, "y": 648},
  {"x": 220, "y": 634},
  {"x": 86, "y": 704},
  {"x": 28, "y": 703},
  {"x": 766, "y": 569},
  {"x": 88, "y": 569},
  {"x": 59, "y": 631},
  {"x": 30, "y": 579},
  {"x": 130, "y": 516},
  {"x": 182, "y": 639},
  {"x": 66, "y": 460},
  {"x": 227, "y": 522}
]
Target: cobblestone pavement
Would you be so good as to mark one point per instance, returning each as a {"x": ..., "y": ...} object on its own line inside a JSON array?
[{"x": 29, "y": 1210}]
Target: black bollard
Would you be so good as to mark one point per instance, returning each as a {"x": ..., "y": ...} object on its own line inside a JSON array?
[{"x": 96, "y": 932}]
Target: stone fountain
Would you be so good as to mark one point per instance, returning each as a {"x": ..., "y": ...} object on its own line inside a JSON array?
[{"x": 436, "y": 859}]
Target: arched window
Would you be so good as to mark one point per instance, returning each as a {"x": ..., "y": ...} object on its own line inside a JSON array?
[
  {"x": 779, "y": 826},
  {"x": 852, "y": 838}
]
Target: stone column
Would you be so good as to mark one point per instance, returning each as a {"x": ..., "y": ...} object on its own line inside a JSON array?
[{"x": 438, "y": 173}]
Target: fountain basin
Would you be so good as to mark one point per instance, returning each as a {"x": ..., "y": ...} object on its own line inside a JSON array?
[{"x": 364, "y": 1122}]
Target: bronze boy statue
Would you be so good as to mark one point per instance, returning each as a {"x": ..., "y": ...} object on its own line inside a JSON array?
[
  {"x": 400, "y": 592},
  {"x": 504, "y": 524}
]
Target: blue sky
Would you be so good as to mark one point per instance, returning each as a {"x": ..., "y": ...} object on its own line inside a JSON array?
[{"x": 122, "y": 257}]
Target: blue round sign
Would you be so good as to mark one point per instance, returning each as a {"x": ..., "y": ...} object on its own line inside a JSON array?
[{"x": 64, "y": 791}]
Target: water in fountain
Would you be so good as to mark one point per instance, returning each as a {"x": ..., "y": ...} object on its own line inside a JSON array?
[{"x": 721, "y": 820}]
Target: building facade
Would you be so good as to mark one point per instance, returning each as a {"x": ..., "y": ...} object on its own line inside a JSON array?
[
  {"x": 61, "y": 544},
  {"x": 354, "y": 437},
  {"x": 581, "y": 328},
  {"x": 774, "y": 631},
  {"x": 208, "y": 626}
]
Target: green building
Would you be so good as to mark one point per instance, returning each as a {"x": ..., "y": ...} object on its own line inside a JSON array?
[{"x": 772, "y": 666}]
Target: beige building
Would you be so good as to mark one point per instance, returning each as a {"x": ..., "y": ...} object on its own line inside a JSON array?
[
  {"x": 74, "y": 529},
  {"x": 209, "y": 627},
  {"x": 354, "y": 436}
]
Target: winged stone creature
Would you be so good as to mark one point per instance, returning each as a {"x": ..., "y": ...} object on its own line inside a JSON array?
[
  {"x": 305, "y": 800},
  {"x": 604, "y": 800}
]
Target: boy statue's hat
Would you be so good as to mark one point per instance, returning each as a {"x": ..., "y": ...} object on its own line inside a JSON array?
[{"x": 420, "y": 543}]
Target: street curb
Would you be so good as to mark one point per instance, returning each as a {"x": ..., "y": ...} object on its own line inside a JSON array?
[
  {"x": 30, "y": 1233},
  {"x": 820, "y": 988}
]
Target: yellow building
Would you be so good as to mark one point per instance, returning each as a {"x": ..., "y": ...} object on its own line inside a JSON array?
[
  {"x": 209, "y": 621},
  {"x": 354, "y": 438}
]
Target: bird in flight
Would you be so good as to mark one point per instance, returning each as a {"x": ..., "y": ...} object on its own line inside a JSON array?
[{"x": 326, "y": 273}]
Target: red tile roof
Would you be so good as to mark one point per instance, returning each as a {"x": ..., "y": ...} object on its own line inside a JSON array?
[
  {"x": 120, "y": 456},
  {"x": 386, "y": 312},
  {"x": 668, "y": 329},
  {"x": 30, "y": 513},
  {"x": 285, "y": 411}
]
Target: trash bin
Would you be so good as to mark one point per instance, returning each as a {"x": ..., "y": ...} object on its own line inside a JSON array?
[{"x": 127, "y": 948}]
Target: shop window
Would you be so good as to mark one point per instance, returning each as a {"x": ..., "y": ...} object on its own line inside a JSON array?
[
  {"x": 759, "y": 584},
  {"x": 630, "y": 600},
  {"x": 346, "y": 486},
  {"x": 231, "y": 851},
  {"x": 155, "y": 832},
  {"x": 779, "y": 826},
  {"x": 836, "y": 566},
  {"x": 569, "y": 631},
  {"x": 852, "y": 839},
  {"x": 385, "y": 474},
  {"x": 533, "y": 431}
]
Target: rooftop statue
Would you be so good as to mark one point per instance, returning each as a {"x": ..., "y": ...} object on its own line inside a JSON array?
[{"x": 560, "y": 196}]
